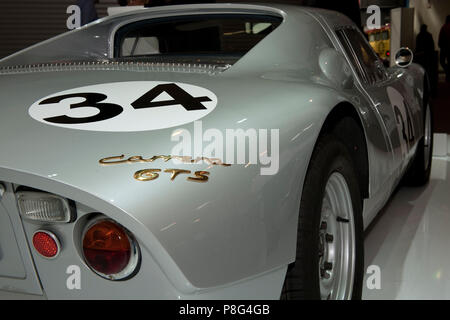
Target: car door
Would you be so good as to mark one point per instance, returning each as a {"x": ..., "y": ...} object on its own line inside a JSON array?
[{"x": 386, "y": 93}]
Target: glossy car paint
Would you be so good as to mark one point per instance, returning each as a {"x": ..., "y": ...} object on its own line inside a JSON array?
[{"x": 231, "y": 237}]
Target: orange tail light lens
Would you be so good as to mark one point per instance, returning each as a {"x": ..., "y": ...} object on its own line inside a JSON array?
[{"x": 109, "y": 250}]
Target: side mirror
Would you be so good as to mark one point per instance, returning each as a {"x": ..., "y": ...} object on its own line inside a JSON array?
[
  {"x": 404, "y": 57},
  {"x": 335, "y": 68}
]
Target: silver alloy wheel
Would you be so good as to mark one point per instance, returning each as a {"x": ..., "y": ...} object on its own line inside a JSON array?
[
  {"x": 336, "y": 241},
  {"x": 427, "y": 138}
]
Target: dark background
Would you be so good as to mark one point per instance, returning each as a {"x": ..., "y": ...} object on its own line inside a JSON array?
[{"x": 26, "y": 22}]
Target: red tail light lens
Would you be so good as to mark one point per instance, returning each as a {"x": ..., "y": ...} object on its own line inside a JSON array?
[
  {"x": 109, "y": 250},
  {"x": 46, "y": 244}
]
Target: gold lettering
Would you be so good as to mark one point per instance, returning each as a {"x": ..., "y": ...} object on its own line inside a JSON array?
[
  {"x": 200, "y": 176},
  {"x": 147, "y": 174},
  {"x": 176, "y": 172},
  {"x": 216, "y": 162},
  {"x": 106, "y": 161},
  {"x": 165, "y": 158},
  {"x": 186, "y": 159},
  {"x": 135, "y": 159}
]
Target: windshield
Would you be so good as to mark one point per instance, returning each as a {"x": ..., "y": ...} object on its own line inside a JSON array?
[{"x": 192, "y": 39}]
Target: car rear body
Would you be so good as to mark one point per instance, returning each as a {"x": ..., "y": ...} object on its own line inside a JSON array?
[{"x": 231, "y": 237}]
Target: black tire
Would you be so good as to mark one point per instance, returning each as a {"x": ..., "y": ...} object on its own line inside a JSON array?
[
  {"x": 302, "y": 279},
  {"x": 418, "y": 173}
]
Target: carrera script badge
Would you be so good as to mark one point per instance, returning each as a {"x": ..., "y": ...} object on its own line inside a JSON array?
[{"x": 153, "y": 174}]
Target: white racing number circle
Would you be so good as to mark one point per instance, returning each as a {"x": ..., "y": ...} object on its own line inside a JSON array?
[
  {"x": 402, "y": 119},
  {"x": 125, "y": 106}
]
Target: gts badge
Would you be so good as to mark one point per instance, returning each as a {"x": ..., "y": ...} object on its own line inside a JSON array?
[{"x": 153, "y": 174}]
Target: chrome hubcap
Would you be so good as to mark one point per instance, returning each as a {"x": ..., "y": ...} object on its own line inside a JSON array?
[
  {"x": 427, "y": 139},
  {"x": 336, "y": 241}
]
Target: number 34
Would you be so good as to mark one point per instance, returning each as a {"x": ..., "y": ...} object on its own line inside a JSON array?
[{"x": 110, "y": 110}]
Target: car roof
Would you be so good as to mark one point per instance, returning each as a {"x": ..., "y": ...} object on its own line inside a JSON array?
[
  {"x": 94, "y": 41},
  {"x": 333, "y": 18}
]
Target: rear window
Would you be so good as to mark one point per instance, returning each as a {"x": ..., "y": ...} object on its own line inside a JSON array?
[{"x": 193, "y": 39}]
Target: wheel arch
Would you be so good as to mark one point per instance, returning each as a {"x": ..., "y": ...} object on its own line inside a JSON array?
[{"x": 343, "y": 121}]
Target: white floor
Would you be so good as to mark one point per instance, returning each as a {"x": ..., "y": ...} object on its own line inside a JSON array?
[{"x": 410, "y": 242}]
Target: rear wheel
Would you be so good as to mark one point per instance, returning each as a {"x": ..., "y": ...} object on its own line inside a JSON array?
[{"x": 329, "y": 261}]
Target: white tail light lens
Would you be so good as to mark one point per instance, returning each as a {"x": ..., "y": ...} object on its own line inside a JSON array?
[{"x": 45, "y": 207}]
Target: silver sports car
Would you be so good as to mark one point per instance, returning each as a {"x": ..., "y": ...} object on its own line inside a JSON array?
[{"x": 219, "y": 151}]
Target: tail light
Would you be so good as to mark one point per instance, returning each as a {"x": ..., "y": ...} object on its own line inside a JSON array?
[
  {"x": 46, "y": 244},
  {"x": 110, "y": 250},
  {"x": 44, "y": 207}
]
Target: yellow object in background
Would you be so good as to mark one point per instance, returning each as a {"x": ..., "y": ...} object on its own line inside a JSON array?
[{"x": 380, "y": 40}]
